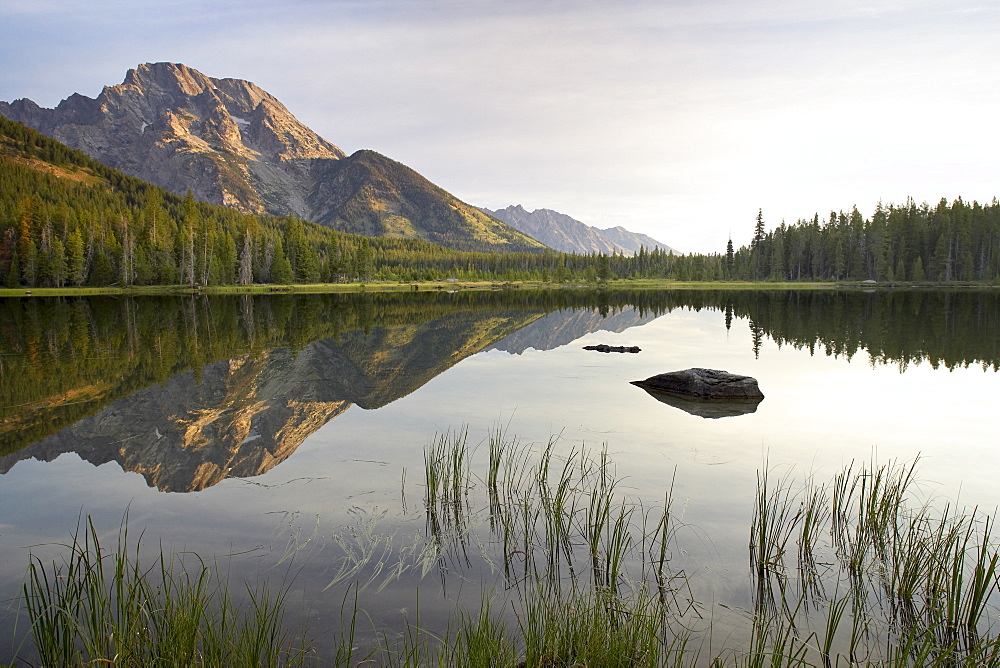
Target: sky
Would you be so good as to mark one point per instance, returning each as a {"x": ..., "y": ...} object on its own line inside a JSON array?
[{"x": 679, "y": 119}]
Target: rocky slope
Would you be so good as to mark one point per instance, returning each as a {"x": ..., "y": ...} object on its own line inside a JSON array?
[
  {"x": 559, "y": 231},
  {"x": 232, "y": 143}
]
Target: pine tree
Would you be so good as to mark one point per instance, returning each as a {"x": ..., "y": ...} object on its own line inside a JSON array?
[
  {"x": 758, "y": 229},
  {"x": 755, "y": 244},
  {"x": 603, "y": 268},
  {"x": 13, "y": 278},
  {"x": 75, "y": 258},
  {"x": 941, "y": 261},
  {"x": 778, "y": 255},
  {"x": 246, "y": 260},
  {"x": 188, "y": 259},
  {"x": 127, "y": 268},
  {"x": 29, "y": 264},
  {"x": 281, "y": 268},
  {"x": 57, "y": 265},
  {"x": 308, "y": 264},
  {"x": 364, "y": 260},
  {"x": 227, "y": 264}
]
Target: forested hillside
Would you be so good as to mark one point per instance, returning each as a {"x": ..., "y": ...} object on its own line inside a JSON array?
[{"x": 68, "y": 220}]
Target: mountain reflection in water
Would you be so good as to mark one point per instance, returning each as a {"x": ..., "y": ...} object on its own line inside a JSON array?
[
  {"x": 242, "y": 416},
  {"x": 188, "y": 391}
]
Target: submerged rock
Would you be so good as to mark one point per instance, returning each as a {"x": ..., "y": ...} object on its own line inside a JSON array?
[
  {"x": 709, "y": 409},
  {"x": 705, "y": 384},
  {"x": 605, "y": 348}
]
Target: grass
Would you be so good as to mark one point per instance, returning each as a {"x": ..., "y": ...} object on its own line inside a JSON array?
[
  {"x": 587, "y": 578},
  {"x": 424, "y": 286},
  {"x": 105, "y": 607}
]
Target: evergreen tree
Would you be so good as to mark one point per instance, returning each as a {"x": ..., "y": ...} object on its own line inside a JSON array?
[
  {"x": 57, "y": 264},
  {"x": 29, "y": 264},
  {"x": 603, "y": 268},
  {"x": 778, "y": 255},
  {"x": 227, "y": 260},
  {"x": 246, "y": 260},
  {"x": 364, "y": 261},
  {"x": 190, "y": 225},
  {"x": 308, "y": 264},
  {"x": 13, "y": 278},
  {"x": 941, "y": 262},
  {"x": 75, "y": 259},
  {"x": 102, "y": 273},
  {"x": 281, "y": 268},
  {"x": 758, "y": 229},
  {"x": 755, "y": 244}
]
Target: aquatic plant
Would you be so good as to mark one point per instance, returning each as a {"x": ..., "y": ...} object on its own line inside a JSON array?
[
  {"x": 101, "y": 606},
  {"x": 587, "y": 575}
]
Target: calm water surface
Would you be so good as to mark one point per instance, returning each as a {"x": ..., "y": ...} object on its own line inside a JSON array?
[{"x": 256, "y": 428}]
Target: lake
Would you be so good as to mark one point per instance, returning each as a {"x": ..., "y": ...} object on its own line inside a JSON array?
[{"x": 281, "y": 434}]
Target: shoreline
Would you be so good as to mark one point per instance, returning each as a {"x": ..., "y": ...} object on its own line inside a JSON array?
[{"x": 442, "y": 286}]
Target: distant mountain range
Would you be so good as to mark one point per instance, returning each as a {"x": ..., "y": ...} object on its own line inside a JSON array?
[
  {"x": 559, "y": 231},
  {"x": 232, "y": 143}
]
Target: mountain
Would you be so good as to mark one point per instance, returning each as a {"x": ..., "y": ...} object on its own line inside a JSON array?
[
  {"x": 563, "y": 327},
  {"x": 232, "y": 143},
  {"x": 559, "y": 231}
]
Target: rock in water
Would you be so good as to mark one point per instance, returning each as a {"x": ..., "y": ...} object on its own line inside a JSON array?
[{"x": 706, "y": 384}]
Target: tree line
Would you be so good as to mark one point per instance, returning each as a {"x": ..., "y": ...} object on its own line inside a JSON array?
[{"x": 957, "y": 241}]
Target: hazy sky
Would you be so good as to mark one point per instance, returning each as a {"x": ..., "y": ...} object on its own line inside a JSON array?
[{"x": 678, "y": 119}]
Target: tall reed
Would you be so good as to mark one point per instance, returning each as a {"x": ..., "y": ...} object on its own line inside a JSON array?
[
  {"x": 589, "y": 577},
  {"x": 101, "y": 606}
]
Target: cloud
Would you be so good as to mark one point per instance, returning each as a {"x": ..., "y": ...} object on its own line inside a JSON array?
[{"x": 677, "y": 119}]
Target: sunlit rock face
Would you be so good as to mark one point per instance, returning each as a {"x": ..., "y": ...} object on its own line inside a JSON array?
[
  {"x": 230, "y": 142},
  {"x": 176, "y": 127}
]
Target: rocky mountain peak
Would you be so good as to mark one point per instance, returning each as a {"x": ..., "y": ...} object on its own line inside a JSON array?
[
  {"x": 179, "y": 128},
  {"x": 231, "y": 142},
  {"x": 168, "y": 77},
  {"x": 235, "y": 116}
]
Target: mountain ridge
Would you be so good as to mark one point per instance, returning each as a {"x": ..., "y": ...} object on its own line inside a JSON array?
[
  {"x": 230, "y": 142},
  {"x": 564, "y": 233}
]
